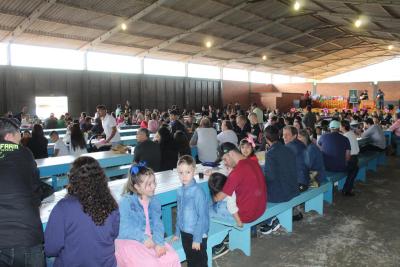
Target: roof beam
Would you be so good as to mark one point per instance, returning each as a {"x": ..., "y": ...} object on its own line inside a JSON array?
[
  {"x": 243, "y": 36},
  {"x": 355, "y": 16},
  {"x": 117, "y": 28},
  {"x": 366, "y": 2},
  {"x": 268, "y": 47},
  {"x": 29, "y": 20},
  {"x": 194, "y": 29}
]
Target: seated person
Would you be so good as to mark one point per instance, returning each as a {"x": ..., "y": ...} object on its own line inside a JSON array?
[
  {"x": 147, "y": 150},
  {"x": 377, "y": 140}
]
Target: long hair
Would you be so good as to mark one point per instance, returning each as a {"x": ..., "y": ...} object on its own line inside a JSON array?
[
  {"x": 182, "y": 142},
  {"x": 216, "y": 182},
  {"x": 135, "y": 177},
  {"x": 77, "y": 139},
  {"x": 88, "y": 183},
  {"x": 166, "y": 139},
  {"x": 37, "y": 131}
]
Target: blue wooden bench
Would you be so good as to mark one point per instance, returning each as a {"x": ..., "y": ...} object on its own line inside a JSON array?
[
  {"x": 240, "y": 238},
  {"x": 336, "y": 177}
]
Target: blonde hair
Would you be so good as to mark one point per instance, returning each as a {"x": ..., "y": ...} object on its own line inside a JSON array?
[
  {"x": 136, "y": 179},
  {"x": 188, "y": 160}
]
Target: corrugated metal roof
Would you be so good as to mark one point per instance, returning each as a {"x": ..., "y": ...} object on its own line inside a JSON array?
[{"x": 171, "y": 31}]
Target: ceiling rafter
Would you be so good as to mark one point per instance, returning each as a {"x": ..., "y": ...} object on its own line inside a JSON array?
[
  {"x": 117, "y": 28},
  {"x": 193, "y": 29},
  {"x": 39, "y": 10},
  {"x": 394, "y": 3}
]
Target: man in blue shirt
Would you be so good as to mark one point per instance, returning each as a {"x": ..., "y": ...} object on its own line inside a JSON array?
[
  {"x": 335, "y": 149},
  {"x": 280, "y": 174}
]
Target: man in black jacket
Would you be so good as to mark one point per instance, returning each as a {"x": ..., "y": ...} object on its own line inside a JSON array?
[{"x": 21, "y": 234}]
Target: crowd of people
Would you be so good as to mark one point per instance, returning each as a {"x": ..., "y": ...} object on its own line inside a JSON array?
[{"x": 89, "y": 228}]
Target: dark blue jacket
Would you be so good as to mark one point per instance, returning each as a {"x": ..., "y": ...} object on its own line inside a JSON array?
[
  {"x": 315, "y": 161},
  {"x": 280, "y": 174},
  {"x": 299, "y": 149}
]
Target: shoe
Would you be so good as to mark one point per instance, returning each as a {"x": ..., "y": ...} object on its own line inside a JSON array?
[
  {"x": 298, "y": 217},
  {"x": 268, "y": 229},
  {"x": 220, "y": 250},
  {"x": 348, "y": 194}
]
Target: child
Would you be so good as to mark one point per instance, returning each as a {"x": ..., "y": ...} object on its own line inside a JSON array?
[
  {"x": 60, "y": 148},
  {"x": 192, "y": 221},
  {"x": 226, "y": 208},
  {"x": 84, "y": 224},
  {"x": 141, "y": 237},
  {"x": 247, "y": 147}
]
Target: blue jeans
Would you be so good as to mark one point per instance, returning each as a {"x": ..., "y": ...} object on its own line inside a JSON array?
[
  {"x": 219, "y": 210},
  {"x": 22, "y": 257}
]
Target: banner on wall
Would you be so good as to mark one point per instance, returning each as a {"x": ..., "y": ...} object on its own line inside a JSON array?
[{"x": 353, "y": 96}]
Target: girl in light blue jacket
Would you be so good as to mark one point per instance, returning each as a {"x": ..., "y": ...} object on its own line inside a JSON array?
[{"x": 141, "y": 237}]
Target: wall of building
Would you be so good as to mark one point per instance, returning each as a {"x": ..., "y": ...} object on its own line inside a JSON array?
[{"x": 245, "y": 93}]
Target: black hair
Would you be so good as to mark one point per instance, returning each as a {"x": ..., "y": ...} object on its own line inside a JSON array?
[
  {"x": 145, "y": 131},
  {"x": 272, "y": 133},
  {"x": 228, "y": 124},
  {"x": 7, "y": 126},
  {"x": 53, "y": 132},
  {"x": 101, "y": 107},
  {"x": 216, "y": 182},
  {"x": 345, "y": 124},
  {"x": 369, "y": 121}
]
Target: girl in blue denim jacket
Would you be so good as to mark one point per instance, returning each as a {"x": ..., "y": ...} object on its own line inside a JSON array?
[
  {"x": 141, "y": 236},
  {"x": 192, "y": 221}
]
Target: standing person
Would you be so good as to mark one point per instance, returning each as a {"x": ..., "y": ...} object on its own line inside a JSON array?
[
  {"x": 352, "y": 163},
  {"x": 60, "y": 149},
  {"x": 21, "y": 231},
  {"x": 280, "y": 174},
  {"x": 84, "y": 224},
  {"x": 109, "y": 125},
  {"x": 141, "y": 237},
  {"x": 147, "y": 150},
  {"x": 192, "y": 222},
  {"x": 38, "y": 143},
  {"x": 380, "y": 97},
  {"x": 309, "y": 119}
]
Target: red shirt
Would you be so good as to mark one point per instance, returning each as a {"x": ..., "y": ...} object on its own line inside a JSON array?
[
  {"x": 143, "y": 124},
  {"x": 248, "y": 182},
  {"x": 254, "y": 157}
]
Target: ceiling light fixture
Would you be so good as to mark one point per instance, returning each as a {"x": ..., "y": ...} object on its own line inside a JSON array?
[
  {"x": 123, "y": 26},
  {"x": 358, "y": 23},
  {"x": 297, "y": 6},
  {"x": 208, "y": 44},
  {"x": 390, "y": 47},
  {"x": 264, "y": 57}
]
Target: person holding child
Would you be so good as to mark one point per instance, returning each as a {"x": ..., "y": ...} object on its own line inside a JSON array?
[
  {"x": 141, "y": 238},
  {"x": 192, "y": 223}
]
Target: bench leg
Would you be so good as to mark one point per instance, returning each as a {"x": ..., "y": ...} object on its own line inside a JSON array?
[
  {"x": 167, "y": 218},
  {"x": 286, "y": 219},
  {"x": 54, "y": 182},
  {"x": 341, "y": 183},
  {"x": 328, "y": 195},
  {"x": 316, "y": 204},
  {"x": 240, "y": 240},
  {"x": 209, "y": 256},
  {"x": 362, "y": 174}
]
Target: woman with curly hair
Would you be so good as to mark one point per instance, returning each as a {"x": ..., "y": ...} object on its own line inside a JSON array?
[{"x": 84, "y": 224}]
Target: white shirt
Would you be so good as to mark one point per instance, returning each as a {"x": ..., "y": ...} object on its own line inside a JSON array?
[
  {"x": 61, "y": 147},
  {"x": 108, "y": 123},
  {"x": 355, "y": 149},
  {"x": 231, "y": 204},
  {"x": 207, "y": 144},
  {"x": 77, "y": 152},
  {"x": 227, "y": 136}
]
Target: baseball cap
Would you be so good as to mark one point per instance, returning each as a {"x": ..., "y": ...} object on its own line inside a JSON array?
[
  {"x": 334, "y": 124},
  {"x": 225, "y": 148}
]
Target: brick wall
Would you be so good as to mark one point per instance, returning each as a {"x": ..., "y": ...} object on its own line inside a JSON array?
[{"x": 245, "y": 93}]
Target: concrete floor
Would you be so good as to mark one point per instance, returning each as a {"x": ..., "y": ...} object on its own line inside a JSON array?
[{"x": 358, "y": 231}]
